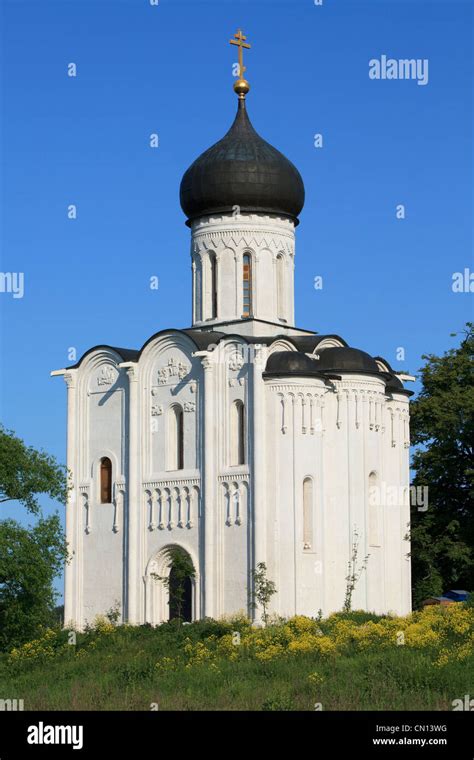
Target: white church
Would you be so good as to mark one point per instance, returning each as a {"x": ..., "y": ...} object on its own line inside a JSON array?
[{"x": 242, "y": 438}]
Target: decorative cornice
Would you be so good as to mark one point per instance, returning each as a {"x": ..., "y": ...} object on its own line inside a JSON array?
[
  {"x": 231, "y": 477},
  {"x": 295, "y": 388},
  {"x": 70, "y": 379},
  {"x": 171, "y": 483},
  {"x": 254, "y": 239}
]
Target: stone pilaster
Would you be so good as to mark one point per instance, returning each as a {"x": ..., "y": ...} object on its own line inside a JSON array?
[
  {"x": 133, "y": 499},
  {"x": 72, "y": 518},
  {"x": 258, "y": 479},
  {"x": 209, "y": 483}
]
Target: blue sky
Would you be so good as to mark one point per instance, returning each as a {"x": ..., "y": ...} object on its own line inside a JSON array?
[{"x": 167, "y": 69}]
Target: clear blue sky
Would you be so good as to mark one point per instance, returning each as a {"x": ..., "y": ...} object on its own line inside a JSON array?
[{"x": 168, "y": 69}]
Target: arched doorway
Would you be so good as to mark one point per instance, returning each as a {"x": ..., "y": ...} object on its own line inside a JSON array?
[
  {"x": 171, "y": 586},
  {"x": 180, "y": 596}
]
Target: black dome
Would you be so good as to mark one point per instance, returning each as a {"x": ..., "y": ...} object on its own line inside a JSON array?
[
  {"x": 345, "y": 359},
  {"x": 394, "y": 384},
  {"x": 291, "y": 363},
  {"x": 242, "y": 170}
]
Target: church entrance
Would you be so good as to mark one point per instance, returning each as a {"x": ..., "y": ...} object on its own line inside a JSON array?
[
  {"x": 180, "y": 596},
  {"x": 171, "y": 585}
]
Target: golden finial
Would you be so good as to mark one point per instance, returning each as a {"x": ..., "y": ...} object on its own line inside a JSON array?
[{"x": 241, "y": 86}]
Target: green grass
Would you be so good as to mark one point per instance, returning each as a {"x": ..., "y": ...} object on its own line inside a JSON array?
[{"x": 119, "y": 673}]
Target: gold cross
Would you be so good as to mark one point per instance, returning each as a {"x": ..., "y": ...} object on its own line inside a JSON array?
[{"x": 239, "y": 41}]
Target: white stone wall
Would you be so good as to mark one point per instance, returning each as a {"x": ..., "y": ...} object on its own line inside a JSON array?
[
  {"x": 228, "y": 516},
  {"x": 337, "y": 435},
  {"x": 97, "y": 427},
  {"x": 266, "y": 239}
]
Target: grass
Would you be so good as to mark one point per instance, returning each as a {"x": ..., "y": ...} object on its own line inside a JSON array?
[{"x": 190, "y": 667}]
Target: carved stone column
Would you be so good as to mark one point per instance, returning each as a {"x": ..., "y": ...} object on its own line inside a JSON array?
[
  {"x": 70, "y": 570},
  {"x": 209, "y": 501},
  {"x": 133, "y": 498},
  {"x": 258, "y": 480}
]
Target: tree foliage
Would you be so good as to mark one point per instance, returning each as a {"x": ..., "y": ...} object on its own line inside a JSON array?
[
  {"x": 30, "y": 557},
  {"x": 263, "y": 589},
  {"x": 182, "y": 566},
  {"x": 442, "y": 425},
  {"x": 26, "y": 472}
]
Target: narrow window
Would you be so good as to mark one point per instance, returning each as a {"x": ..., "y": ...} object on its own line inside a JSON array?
[
  {"x": 237, "y": 434},
  {"x": 307, "y": 513},
  {"x": 280, "y": 263},
  {"x": 247, "y": 285},
  {"x": 374, "y": 511},
  {"x": 198, "y": 297},
  {"x": 213, "y": 286},
  {"x": 176, "y": 439},
  {"x": 105, "y": 481}
]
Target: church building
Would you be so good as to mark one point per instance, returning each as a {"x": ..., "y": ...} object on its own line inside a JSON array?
[{"x": 241, "y": 439}]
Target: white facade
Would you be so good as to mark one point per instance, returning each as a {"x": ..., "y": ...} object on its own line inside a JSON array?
[{"x": 312, "y": 448}]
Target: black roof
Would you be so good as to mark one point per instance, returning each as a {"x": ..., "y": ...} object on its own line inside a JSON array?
[
  {"x": 346, "y": 359},
  {"x": 291, "y": 363},
  {"x": 205, "y": 338},
  {"x": 395, "y": 385},
  {"x": 242, "y": 170},
  {"x": 332, "y": 360},
  {"x": 126, "y": 354}
]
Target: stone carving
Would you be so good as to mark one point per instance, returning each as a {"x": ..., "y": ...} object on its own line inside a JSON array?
[
  {"x": 106, "y": 375},
  {"x": 173, "y": 369},
  {"x": 236, "y": 361},
  {"x": 156, "y": 410},
  {"x": 189, "y": 406}
]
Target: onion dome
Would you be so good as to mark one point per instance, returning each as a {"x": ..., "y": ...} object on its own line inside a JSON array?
[{"x": 242, "y": 170}]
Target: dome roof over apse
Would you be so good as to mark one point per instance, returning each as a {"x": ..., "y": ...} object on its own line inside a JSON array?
[
  {"x": 242, "y": 170},
  {"x": 331, "y": 360},
  {"x": 346, "y": 359},
  {"x": 291, "y": 363},
  {"x": 395, "y": 385}
]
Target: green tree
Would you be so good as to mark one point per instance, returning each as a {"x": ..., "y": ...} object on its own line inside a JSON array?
[
  {"x": 182, "y": 568},
  {"x": 263, "y": 589},
  {"x": 442, "y": 426},
  {"x": 353, "y": 571},
  {"x": 26, "y": 472},
  {"x": 30, "y": 557}
]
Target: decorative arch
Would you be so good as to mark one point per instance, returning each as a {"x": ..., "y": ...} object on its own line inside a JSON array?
[
  {"x": 281, "y": 345},
  {"x": 156, "y": 593},
  {"x": 247, "y": 283},
  {"x": 212, "y": 284},
  {"x": 105, "y": 480},
  {"x": 96, "y": 475},
  {"x": 329, "y": 343},
  {"x": 237, "y": 433},
  {"x": 281, "y": 286},
  {"x": 175, "y": 438},
  {"x": 374, "y": 510},
  {"x": 308, "y": 509}
]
